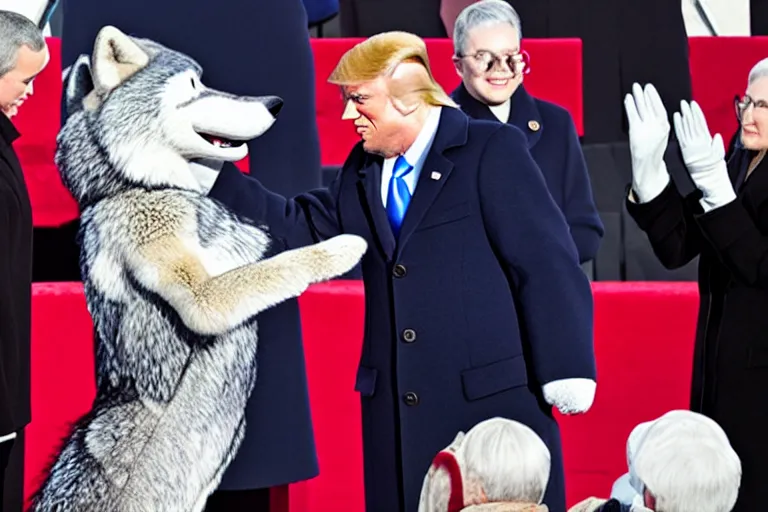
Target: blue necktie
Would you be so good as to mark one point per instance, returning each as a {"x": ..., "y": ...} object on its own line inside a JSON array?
[{"x": 399, "y": 196}]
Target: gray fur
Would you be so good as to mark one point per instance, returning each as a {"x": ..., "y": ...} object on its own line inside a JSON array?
[{"x": 173, "y": 281}]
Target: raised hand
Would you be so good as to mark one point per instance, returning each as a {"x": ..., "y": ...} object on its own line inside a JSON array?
[
  {"x": 704, "y": 156},
  {"x": 648, "y": 135}
]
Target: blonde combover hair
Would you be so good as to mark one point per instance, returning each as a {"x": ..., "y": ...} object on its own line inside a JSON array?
[{"x": 379, "y": 56}]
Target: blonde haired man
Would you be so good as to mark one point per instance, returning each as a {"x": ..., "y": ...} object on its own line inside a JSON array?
[{"x": 476, "y": 305}]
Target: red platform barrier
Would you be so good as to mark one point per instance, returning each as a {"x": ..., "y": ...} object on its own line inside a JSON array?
[
  {"x": 643, "y": 339},
  {"x": 555, "y": 76},
  {"x": 719, "y": 70}
]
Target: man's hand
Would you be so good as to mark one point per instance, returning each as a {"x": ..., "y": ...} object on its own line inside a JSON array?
[
  {"x": 205, "y": 172},
  {"x": 570, "y": 396},
  {"x": 704, "y": 156},
  {"x": 648, "y": 134}
]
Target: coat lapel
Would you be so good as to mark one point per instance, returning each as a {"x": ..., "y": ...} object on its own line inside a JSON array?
[
  {"x": 451, "y": 132},
  {"x": 370, "y": 185},
  {"x": 524, "y": 113}
]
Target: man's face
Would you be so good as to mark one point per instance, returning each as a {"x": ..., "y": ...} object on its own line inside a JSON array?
[
  {"x": 16, "y": 85},
  {"x": 376, "y": 119},
  {"x": 491, "y": 66}
]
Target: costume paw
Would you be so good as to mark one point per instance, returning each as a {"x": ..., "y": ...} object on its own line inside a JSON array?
[
  {"x": 336, "y": 256},
  {"x": 570, "y": 396}
]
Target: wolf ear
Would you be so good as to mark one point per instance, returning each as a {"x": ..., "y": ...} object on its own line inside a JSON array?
[
  {"x": 116, "y": 57},
  {"x": 78, "y": 83}
]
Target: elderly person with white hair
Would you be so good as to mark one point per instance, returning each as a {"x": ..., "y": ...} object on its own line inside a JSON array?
[
  {"x": 680, "y": 462},
  {"x": 725, "y": 222},
  {"x": 500, "y": 465},
  {"x": 489, "y": 58}
]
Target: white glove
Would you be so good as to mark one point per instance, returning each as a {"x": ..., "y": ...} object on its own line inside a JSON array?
[
  {"x": 704, "y": 156},
  {"x": 648, "y": 135},
  {"x": 570, "y": 396},
  {"x": 205, "y": 172}
]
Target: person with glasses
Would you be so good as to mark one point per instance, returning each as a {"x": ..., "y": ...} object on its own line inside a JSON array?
[
  {"x": 725, "y": 222},
  {"x": 488, "y": 57}
]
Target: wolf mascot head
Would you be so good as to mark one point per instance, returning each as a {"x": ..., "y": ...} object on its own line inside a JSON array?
[
  {"x": 139, "y": 112},
  {"x": 173, "y": 280}
]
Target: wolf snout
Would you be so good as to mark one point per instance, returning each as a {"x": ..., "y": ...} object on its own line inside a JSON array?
[{"x": 273, "y": 104}]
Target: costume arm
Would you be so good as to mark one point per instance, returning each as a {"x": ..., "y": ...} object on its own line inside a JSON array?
[
  {"x": 302, "y": 220},
  {"x": 669, "y": 224},
  {"x": 532, "y": 241},
  {"x": 580, "y": 211},
  {"x": 213, "y": 305}
]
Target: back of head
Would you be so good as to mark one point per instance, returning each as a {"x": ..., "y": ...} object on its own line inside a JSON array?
[
  {"x": 499, "y": 461},
  {"x": 380, "y": 55},
  {"x": 16, "y": 31},
  {"x": 686, "y": 462},
  {"x": 508, "y": 459}
]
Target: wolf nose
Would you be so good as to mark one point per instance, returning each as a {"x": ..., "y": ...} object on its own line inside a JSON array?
[{"x": 273, "y": 104}]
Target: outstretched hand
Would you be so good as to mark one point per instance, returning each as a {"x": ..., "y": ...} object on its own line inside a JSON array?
[
  {"x": 704, "y": 156},
  {"x": 648, "y": 135}
]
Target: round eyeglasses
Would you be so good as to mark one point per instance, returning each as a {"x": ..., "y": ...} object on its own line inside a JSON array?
[{"x": 484, "y": 61}]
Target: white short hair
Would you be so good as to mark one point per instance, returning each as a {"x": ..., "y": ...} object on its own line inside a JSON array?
[
  {"x": 483, "y": 13},
  {"x": 758, "y": 71},
  {"x": 504, "y": 458},
  {"x": 685, "y": 460}
]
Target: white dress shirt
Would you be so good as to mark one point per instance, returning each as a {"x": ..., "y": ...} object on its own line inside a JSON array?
[{"x": 415, "y": 155}]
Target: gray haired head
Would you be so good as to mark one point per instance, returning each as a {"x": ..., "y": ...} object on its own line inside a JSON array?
[
  {"x": 758, "y": 71},
  {"x": 16, "y": 31},
  {"x": 483, "y": 13}
]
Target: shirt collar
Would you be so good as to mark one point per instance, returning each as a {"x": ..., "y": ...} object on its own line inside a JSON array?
[
  {"x": 8, "y": 132},
  {"x": 420, "y": 147}
]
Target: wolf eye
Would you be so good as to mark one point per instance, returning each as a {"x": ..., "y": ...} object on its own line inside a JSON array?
[{"x": 194, "y": 85}]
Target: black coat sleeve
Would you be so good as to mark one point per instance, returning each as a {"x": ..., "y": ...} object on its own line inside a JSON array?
[
  {"x": 530, "y": 236},
  {"x": 736, "y": 237},
  {"x": 671, "y": 228}
]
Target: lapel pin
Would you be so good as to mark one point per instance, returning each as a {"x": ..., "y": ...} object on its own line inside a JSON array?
[
  {"x": 534, "y": 125},
  {"x": 436, "y": 175}
]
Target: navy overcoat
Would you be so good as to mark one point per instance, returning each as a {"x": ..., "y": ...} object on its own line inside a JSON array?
[
  {"x": 554, "y": 144},
  {"x": 479, "y": 302},
  {"x": 252, "y": 48}
]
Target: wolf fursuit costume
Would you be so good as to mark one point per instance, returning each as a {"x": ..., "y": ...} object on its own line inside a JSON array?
[{"x": 173, "y": 280}]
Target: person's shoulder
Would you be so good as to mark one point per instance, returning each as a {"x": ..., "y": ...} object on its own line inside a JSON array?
[
  {"x": 494, "y": 132},
  {"x": 554, "y": 115}
]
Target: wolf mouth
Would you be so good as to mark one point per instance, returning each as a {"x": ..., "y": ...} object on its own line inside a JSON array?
[{"x": 220, "y": 142}]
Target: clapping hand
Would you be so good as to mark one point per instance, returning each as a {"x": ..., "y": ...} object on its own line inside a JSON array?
[
  {"x": 704, "y": 156},
  {"x": 648, "y": 135}
]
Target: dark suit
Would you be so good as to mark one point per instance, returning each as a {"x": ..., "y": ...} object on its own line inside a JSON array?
[
  {"x": 624, "y": 41},
  {"x": 479, "y": 302},
  {"x": 554, "y": 145},
  {"x": 251, "y": 48},
  {"x": 731, "y": 353},
  {"x": 15, "y": 306}
]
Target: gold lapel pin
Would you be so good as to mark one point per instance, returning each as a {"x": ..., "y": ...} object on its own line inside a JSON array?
[{"x": 534, "y": 125}]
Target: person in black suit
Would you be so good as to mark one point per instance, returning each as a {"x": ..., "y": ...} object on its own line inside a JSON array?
[
  {"x": 476, "y": 305},
  {"x": 23, "y": 54},
  {"x": 249, "y": 48},
  {"x": 487, "y": 56},
  {"x": 724, "y": 222}
]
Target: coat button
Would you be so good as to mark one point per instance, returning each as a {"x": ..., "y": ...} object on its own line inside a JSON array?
[
  {"x": 409, "y": 335},
  {"x": 399, "y": 270},
  {"x": 411, "y": 398}
]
